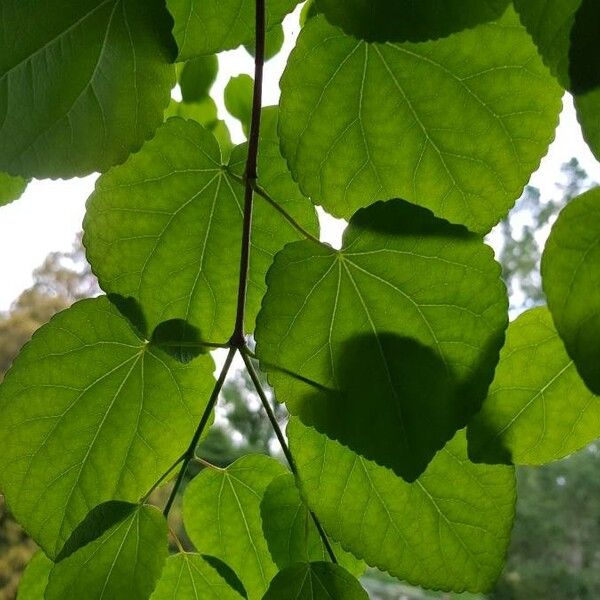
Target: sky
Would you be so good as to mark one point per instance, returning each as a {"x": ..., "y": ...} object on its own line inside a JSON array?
[{"x": 49, "y": 214}]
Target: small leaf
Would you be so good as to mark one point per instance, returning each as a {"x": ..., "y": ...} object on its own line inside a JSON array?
[
  {"x": 11, "y": 188},
  {"x": 35, "y": 578},
  {"x": 238, "y": 99},
  {"x": 571, "y": 278},
  {"x": 273, "y": 43},
  {"x": 221, "y": 512},
  {"x": 588, "y": 113},
  {"x": 82, "y": 84},
  {"x": 189, "y": 577},
  {"x": 448, "y": 530},
  {"x": 209, "y": 26},
  {"x": 91, "y": 412},
  {"x": 538, "y": 409},
  {"x": 204, "y": 111},
  {"x": 441, "y": 124},
  {"x": 315, "y": 581},
  {"x": 406, "y": 20},
  {"x": 197, "y": 76},
  {"x": 124, "y": 563},
  {"x": 392, "y": 384}
]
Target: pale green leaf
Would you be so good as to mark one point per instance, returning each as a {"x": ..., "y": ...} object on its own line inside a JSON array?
[
  {"x": 238, "y": 99},
  {"x": 571, "y": 278},
  {"x": 11, "y": 188},
  {"x": 197, "y": 76},
  {"x": 188, "y": 576},
  {"x": 204, "y": 111},
  {"x": 124, "y": 563},
  {"x": 448, "y": 530},
  {"x": 82, "y": 84},
  {"x": 221, "y": 513},
  {"x": 407, "y": 20},
  {"x": 538, "y": 409},
  {"x": 441, "y": 124},
  {"x": 173, "y": 213},
  {"x": 315, "y": 581},
  {"x": 35, "y": 578},
  {"x": 91, "y": 412},
  {"x": 273, "y": 43},
  {"x": 386, "y": 361},
  {"x": 207, "y": 26}
]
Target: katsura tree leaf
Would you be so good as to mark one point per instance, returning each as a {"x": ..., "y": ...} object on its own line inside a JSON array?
[
  {"x": 124, "y": 563},
  {"x": 238, "y": 99},
  {"x": 441, "y": 123},
  {"x": 197, "y": 76},
  {"x": 165, "y": 228},
  {"x": 188, "y": 576},
  {"x": 571, "y": 278},
  {"x": 315, "y": 581},
  {"x": 406, "y": 20},
  {"x": 273, "y": 43},
  {"x": 208, "y": 26},
  {"x": 35, "y": 578},
  {"x": 11, "y": 188},
  {"x": 221, "y": 513},
  {"x": 448, "y": 530},
  {"x": 290, "y": 531},
  {"x": 91, "y": 412},
  {"x": 538, "y": 409},
  {"x": 386, "y": 362},
  {"x": 82, "y": 84}
]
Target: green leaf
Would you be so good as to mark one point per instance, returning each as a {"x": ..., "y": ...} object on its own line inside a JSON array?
[
  {"x": 571, "y": 278},
  {"x": 221, "y": 512},
  {"x": 584, "y": 68},
  {"x": 290, "y": 531},
  {"x": 208, "y": 26},
  {"x": 197, "y": 76},
  {"x": 204, "y": 111},
  {"x": 588, "y": 113},
  {"x": 538, "y": 409},
  {"x": 406, "y": 20},
  {"x": 238, "y": 99},
  {"x": 35, "y": 578},
  {"x": 11, "y": 188},
  {"x": 188, "y": 576},
  {"x": 91, "y": 412},
  {"x": 273, "y": 43},
  {"x": 441, "y": 123},
  {"x": 448, "y": 530},
  {"x": 424, "y": 366},
  {"x": 124, "y": 563},
  {"x": 82, "y": 84},
  {"x": 167, "y": 215},
  {"x": 315, "y": 581}
]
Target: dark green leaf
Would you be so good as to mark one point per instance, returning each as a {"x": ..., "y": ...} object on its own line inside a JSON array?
[
  {"x": 571, "y": 278},
  {"x": 407, "y": 20},
  {"x": 538, "y": 409},
  {"x": 385, "y": 361},
  {"x": 91, "y": 412},
  {"x": 221, "y": 512},
  {"x": 124, "y": 563},
  {"x": 588, "y": 113},
  {"x": 448, "y": 530},
  {"x": 584, "y": 53},
  {"x": 273, "y": 43},
  {"x": 238, "y": 99},
  {"x": 441, "y": 123},
  {"x": 35, "y": 578},
  {"x": 82, "y": 84},
  {"x": 197, "y": 76},
  {"x": 315, "y": 581},
  {"x": 11, "y": 188}
]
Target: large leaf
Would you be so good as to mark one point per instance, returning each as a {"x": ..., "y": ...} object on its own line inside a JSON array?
[
  {"x": 393, "y": 340},
  {"x": 538, "y": 409},
  {"x": 315, "y": 581},
  {"x": 208, "y": 26},
  {"x": 442, "y": 124},
  {"x": 91, "y": 412},
  {"x": 82, "y": 84},
  {"x": 11, "y": 188},
  {"x": 35, "y": 578},
  {"x": 221, "y": 512},
  {"x": 188, "y": 576},
  {"x": 124, "y": 563},
  {"x": 571, "y": 278},
  {"x": 407, "y": 20},
  {"x": 173, "y": 213},
  {"x": 448, "y": 530}
]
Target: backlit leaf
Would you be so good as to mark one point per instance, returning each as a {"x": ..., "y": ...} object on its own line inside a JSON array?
[
  {"x": 35, "y": 578},
  {"x": 11, "y": 188},
  {"x": 197, "y": 76},
  {"x": 238, "y": 99}
]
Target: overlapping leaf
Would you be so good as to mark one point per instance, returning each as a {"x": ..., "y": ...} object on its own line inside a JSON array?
[
  {"x": 11, "y": 188},
  {"x": 393, "y": 340},
  {"x": 197, "y": 76},
  {"x": 82, "y": 84},
  {"x": 442, "y": 124},
  {"x": 35, "y": 578},
  {"x": 208, "y": 26},
  {"x": 165, "y": 228},
  {"x": 91, "y": 412},
  {"x": 448, "y": 530},
  {"x": 538, "y": 409},
  {"x": 221, "y": 513},
  {"x": 571, "y": 278},
  {"x": 238, "y": 99}
]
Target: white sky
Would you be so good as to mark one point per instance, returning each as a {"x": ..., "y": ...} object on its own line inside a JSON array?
[{"x": 50, "y": 213}]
